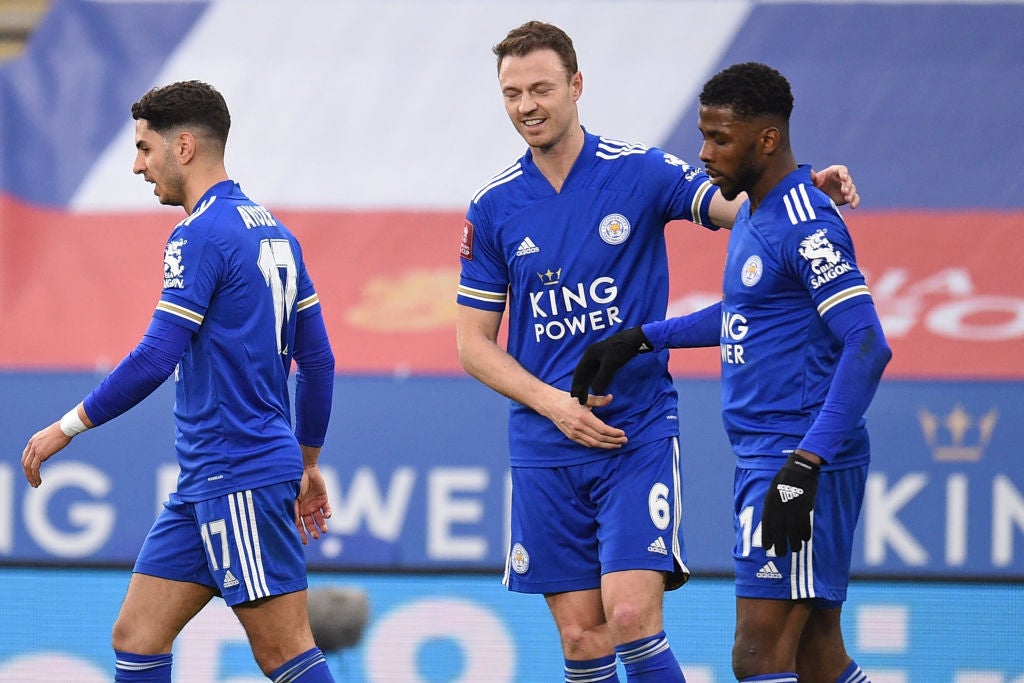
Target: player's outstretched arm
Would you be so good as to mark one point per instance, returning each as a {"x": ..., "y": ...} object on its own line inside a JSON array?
[
  {"x": 601, "y": 360},
  {"x": 135, "y": 377}
]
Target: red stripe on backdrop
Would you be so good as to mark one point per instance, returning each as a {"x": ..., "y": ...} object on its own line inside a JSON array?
[
  {"x": 946, "y": 285},
  {"x": 77, "y": 290}
]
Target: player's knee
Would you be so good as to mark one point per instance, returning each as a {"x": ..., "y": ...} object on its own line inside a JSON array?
[
  {"x": 121, "y": 637},
  {"x": 268, "y": 662},
  {"x": 272, "y": 648},
  {"x": 270, "y": 654},
  {"x": 126, "y": 638},
  {"x": 630, "y": 621},
  {"x": 746, "y": 658},
  {"x": 585, "y": 643}
]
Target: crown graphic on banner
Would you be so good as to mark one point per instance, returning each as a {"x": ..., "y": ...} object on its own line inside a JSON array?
[{"x": 957, "y": 436}]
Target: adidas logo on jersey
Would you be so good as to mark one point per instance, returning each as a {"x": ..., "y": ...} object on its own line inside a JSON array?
[
  {"x": 527, "y": 247},
  {"x": 229, "y": 579},
  {"x": 658, "y": 546},
  {"x": 769, "y": 571},
  {"x": 788, "y": 493}
]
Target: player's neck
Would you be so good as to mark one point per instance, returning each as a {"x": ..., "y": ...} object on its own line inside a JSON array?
[
  {"x": 771, "y": 177},
  {"x": 200, "y": 183},
  {"x": 555, "y": 162}
]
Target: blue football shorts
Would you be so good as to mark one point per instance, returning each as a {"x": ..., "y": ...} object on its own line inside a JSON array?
[
  {"x": 244, "y": 544},
  {"x": 571, "y": 525},
  {"x": 821, "y": 570}
]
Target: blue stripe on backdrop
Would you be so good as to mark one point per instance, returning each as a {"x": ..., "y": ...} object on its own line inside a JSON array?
[
  {"x": 417, "y": 470},
  {"x": 923, "y": 101},
  {"x": 56, "y": 115}
]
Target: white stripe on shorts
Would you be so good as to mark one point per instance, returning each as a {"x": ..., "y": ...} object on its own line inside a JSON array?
[
  {"x": 677, "y": 505},
  {"x": 247, "y": 538},
  {"x": 801, "y": 575}
]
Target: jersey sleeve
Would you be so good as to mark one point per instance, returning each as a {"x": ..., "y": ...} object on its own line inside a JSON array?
[
  {"x": 687, "y": 189},
  {"x": 314, "y": 381},
  {"x": 140, "y": 372},
  {"x": 820, "y": 254},
  {"x": 698, "y": 329},
  {"x": 484, "y": 278},
  {"x": 308, "y": 301},
  {"x": 193, "y": 265},
  {"x": 864, "y": 355}
]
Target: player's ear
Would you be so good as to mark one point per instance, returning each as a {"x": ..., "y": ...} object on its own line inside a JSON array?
[
  {"x": 184, "y": 146},
  {"x": 770, "y": 139}
]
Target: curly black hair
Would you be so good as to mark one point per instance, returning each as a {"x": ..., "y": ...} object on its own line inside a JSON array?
[{"x": 750, "y": 89}]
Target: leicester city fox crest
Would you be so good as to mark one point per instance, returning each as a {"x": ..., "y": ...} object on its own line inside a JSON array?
[
  {"x": 173, "y": 268},
  {"x": 614, "y": 228},
  {"x": 519, "y": 559},
  {"x": 752, "y": 271}
]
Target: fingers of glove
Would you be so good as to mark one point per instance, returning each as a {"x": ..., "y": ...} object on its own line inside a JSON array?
[
  {"x": 772, "y": 534},
  {"x": 582, "y": 377},
  {"x": 773, "y": 540},
  {"x": 603, "y": 377},
  {"x": 616, "y": 355},
  {"x": 795, "y": 544},
  {"x": 800, "y": 530},
  {"x": 795, "y": 540},
  {"x": 579, "y": 390},
  {"x": 587, "y": 367},
  {"x": 783, "y": 528}
]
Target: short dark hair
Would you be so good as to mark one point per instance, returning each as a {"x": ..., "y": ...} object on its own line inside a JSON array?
[
  {"x": 185, "y": 103},
  {"x": 750, "y": 90},
  {"x": 537, "y": 35}
]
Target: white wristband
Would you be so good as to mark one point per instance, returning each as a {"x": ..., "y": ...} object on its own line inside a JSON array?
[{"x": 71, "y": 424}]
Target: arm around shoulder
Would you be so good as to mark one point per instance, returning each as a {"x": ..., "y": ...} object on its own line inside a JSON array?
[
  {"x": 723, "y": 211},
  {"x": 837, "y": 183}
]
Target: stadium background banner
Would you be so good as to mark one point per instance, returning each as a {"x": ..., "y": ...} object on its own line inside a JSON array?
[
  {"x": 941, "y": 633},
  {"x": 366, "y": 127}
]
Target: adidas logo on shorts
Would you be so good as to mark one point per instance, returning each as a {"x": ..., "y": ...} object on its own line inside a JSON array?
[
  {"x": 229, "y": 579},
  {"x": 658, "y": 546},
  {"x": 769, "y": 571}
]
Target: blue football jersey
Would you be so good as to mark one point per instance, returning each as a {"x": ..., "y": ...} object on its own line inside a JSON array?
[
  {"x": 789, "y": 266},
  {"x": 235, "y": 275},
  {"x": 575, "y": 266}
]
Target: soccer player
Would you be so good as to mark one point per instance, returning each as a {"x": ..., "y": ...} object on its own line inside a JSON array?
[
  {"x": 237, "y": 307},
  {"x": 802, "y": 355},
  {"x": 571, "y": 239}
]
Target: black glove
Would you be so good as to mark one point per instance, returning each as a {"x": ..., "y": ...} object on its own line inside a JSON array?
[
  {"x": 786, "y": 516},
  {"x": 601, "y": 360}
]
